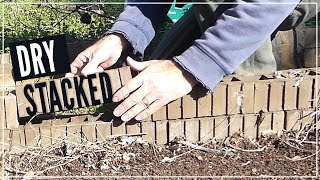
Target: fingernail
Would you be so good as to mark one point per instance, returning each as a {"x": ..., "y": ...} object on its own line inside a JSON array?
[
  {"x": 138, "y": 117},
  {"x": 116, "y": 113},
  {"x": 115, "y": 99},
  {"x": 124, "y": 118}
]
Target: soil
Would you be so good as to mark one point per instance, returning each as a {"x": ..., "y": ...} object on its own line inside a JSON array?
[{"x": 272, "y": 155}]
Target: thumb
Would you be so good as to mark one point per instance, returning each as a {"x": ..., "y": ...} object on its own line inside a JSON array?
[
  {"x": 94, "y": 62},
  {"x": 137, "y": 66}
]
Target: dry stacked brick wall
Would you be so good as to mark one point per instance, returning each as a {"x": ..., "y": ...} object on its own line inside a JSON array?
[{"x": 282, "y": 101}]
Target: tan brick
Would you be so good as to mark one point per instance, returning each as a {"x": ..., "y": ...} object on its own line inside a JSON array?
[
  {"x": 206, "y": 128},
  {"x": 219, "y": 100},
  {"x": 45, "y": 133},
  {"x": 161, "y": 114},
  {"x": 264, "y": 122},
  {"x": 174, "y": 109},
  {"x": 148, "y": 127},
  {"x": 250, "y": 125},
  {"x": 221, "y": 127},
  {"x": 234, "y": 90},
  {"x": 261, "y": 96},
  {"x": 189, "y": 105},
  {"x": 248, "y": 97},
  {"x": 290, "y": 95},
  {"x": 236, "y": 122},
  {"x": 118, "y": 127},
  {"x": 292, "y": 121},
  {"x": 278, "y": 121},
  {"x": 176, "y": 129},
  {"x": 192, "y": 130},
  {"x": 103, "y": 129},
  {"x": 204, "y": 102},
  {"x": 11, "y": 111},
  {"x": 161, "y": 132},
  {"x": 305, "y": 93},
  {"x": 276, "y": 96}
]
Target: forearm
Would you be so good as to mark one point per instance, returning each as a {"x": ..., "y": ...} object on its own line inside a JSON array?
[
  {"x": 137, "y": 23},
  {"x": 238, "y": 33}
]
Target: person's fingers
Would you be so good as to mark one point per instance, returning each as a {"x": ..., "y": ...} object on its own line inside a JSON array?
[
  {"x": 96, "y": 59},
  {"x": 156, "y": 105},
  {"x": 137, "y": 66},
  {"x": 132, "y": 85},
  {"x": 130, "y": 101},
  {"x": 79, "y": 62},
  {"x": 138, "y": 107},
  {"x": 69, "y": 75},
  {"x": 99, "y": 69}
]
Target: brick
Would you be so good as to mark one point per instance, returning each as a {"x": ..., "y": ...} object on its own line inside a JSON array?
[
  {"x": 276, "y": 96},
  {"x": 206, "y": 128},
  {"x": 118, "y": 127},
  {"x": 192, "y": 128},
  {"x": 250, "y": 125},
  {"x": 161, "y": 114},
  {"x": 161, "y": 132},
  {"x": 234, "y": 90},
  {"x": 148, "y": 127},
  {"x": 5, "y": 138},
  {"x": 45, "y": 133},
  {"x": 305, "y": 94},
  {"x": 248, "y": 97},
  {"x": 22, "y": 135},
  {"x": 176, "y": 129},
  {"x": 290, "y": 95},
  {"x": 221, "y": 127},
  {"x": 59, "y": 130},
  {"x": 278, "y": 121},
  {"x": 11, "y": 112},
  {"x": 219, "y": 100},
  {"x": 261, "y": 96},
  {"x": 264, "y": 122},
  {"x": 2, "y": 113},
  {"x": 307, "y": 118},
  {"x": 5, "y": 58},
  {"x": 15, "y": 137},
  {"x": 32, "y": 135},
  {"x": 204, "y": 102},
  {"x": 88, "y": 132},
  {"x": 174, "y": 109},
  {"x": 189, "y": 105},
  {"x": 292, "y": 121},
  {"x": 133, "y": 127},
  {"x": 103, "y": 130},
  {"x": 236, "y": 122}
]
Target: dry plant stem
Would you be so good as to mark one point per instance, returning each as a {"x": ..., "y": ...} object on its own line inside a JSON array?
[
  {"x": 306, "y": 142},
  {"x": 10, "y": 170},
  {"x": 175, "y": 157},
  {"x": 301, "y": 158},
  {"x": 246, "y": 150},
  {"x": 294, "y": 146},
  {"x": 217, "y": 152}
]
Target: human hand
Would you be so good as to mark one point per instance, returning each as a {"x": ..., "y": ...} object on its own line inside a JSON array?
[
  {"x": 101, "y": 55},
  {"x": 160, "y": 82}
]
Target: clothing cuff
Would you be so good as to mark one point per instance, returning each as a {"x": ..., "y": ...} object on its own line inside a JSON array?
[
  {"x": 132, "y": 33},
  {"x": 201, "y": 66}
]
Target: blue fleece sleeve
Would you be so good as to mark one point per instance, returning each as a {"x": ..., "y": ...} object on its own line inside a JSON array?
[
  {"x": 238, "y": 33},
  {"x": 138, "y": 22}
]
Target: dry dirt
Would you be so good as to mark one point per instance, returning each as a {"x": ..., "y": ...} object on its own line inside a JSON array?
[{"x": 273, "y": 155}]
